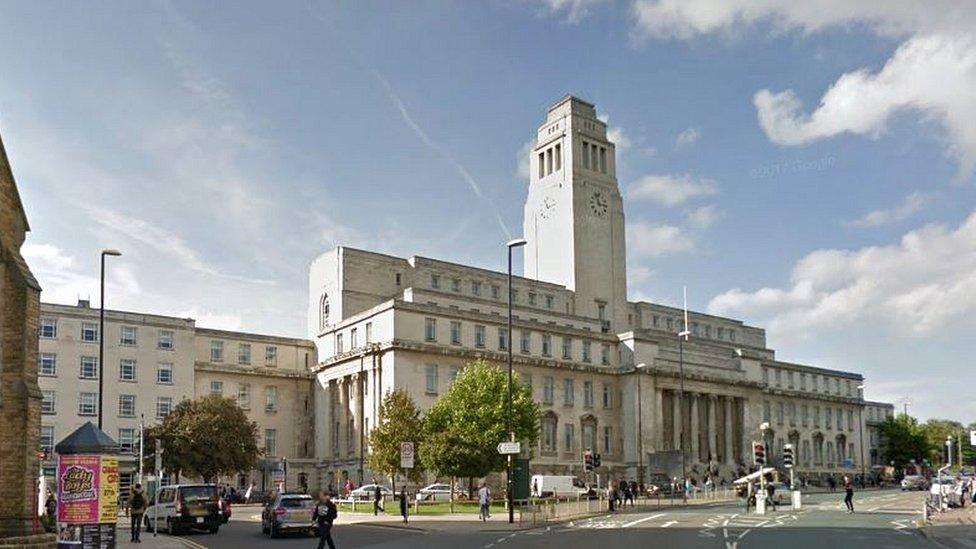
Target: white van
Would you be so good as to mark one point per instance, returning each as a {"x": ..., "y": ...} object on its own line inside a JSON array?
[{"x": 544, "y": 486}]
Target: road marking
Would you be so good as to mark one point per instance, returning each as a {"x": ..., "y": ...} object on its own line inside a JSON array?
[
  {"x": 638, "y": 521},
  {"x": 669, "y": 523},
  {"x": 188, "y": 543}
]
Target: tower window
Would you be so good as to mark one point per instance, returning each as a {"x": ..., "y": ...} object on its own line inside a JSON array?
[
  {"x": 603, "y": 160},
  {"x": 593, "y": 151},
  {"x": 559, "y": 159},
  {"x": 549, "y": 161},
  {"x": 542, "y": 165},
  {"x": 586, "y": 154}
]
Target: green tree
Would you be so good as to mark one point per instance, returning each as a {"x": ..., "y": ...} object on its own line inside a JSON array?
[
  {"x": 937, "y": 431},
  {"x": 464, "y": 427},
  {"x": 207, "y": 437},
  {"x": 903, "y": 441},
  {"x": 400, "y": 423}
]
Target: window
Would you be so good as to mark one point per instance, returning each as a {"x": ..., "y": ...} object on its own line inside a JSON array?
[
  {"x": 127, "y": 405},
  {"x": 588, "y": 394},
  {"x": 435, "y": 281},
  {"x": 607, "y": 396},
  {"x": 829, "y": 418},
  {"x": 586, "y": 154},
  {"x": 527, "y": 381},
  {"x": 605, "y": 354},
  {"x": 47, "y": 364},
  {"x": 479, "y": 336},
  {"x": 430, "y": 373},
  {"x": 353, "y": 338},
  {"x": 789, "y": 379},
  {"x": 816, "y": 416},
  {"x": 398, "y": 279},
  {"x": 127, "y": 440},
  {"x": 270, "y": 442},
  {"x": 270, "y": 399},
  {"x": 455, "y": 332},
  {"x": 475, "y": 288},
  {"x": 495, "y": 292},
  {"x": 608, "y": 439},
  {"x": 532, "y": 298},
  {"x": 48, "y": 403},
  {"x": 47, "y": 439},
  {"x": 603, "y": 159},
  {"x": 270, "y": 356},
  {"x": 456, "y": 284},
  {"x": 601, "y": 311},
  {"x": 89, "y": 331},
  {"x": 244, "y": 395},
  {"x": 164, "y": 373},
  {"x": 558, "y": 155},
  {"x": 324, "y": 311},
  {"x": 779, "y": 378},
  {"x": 803, "y": 382},
  {"x": 731, "y": 335},
  {"x": 340, "y": 347},
  {"x": 850, "y": 420},
  {"x": 766, "y": 411},
  {"x": 127, "y": 336},
  {"x": 216, "y": 351},
  {"x": 89, "y": 368},
  {"x": 165, "y": 340},
  {"x": 813, "y": 383},
  {"x": 792, "y": 410},
  {"x": 542, "y": 165},
  {"x": 804, "y": 415},
  {"x": 568, "y": 392},
  {"x": 243, "y": 353},
  {"x": 550, "y": 301},
  {"x": 430, "y": 329},
  {"x": 586, "y": 351},
  {"x": 765, "y": 375},
  {"x": 524, "y": 341},
  {"x": 780, "y": 408},
  {"x": 369, "y": 332},
  {"x": 127, "y": 369},
  {"x": 503, "y": 339},
  {"x": 87, "y": 404},
  {"x": 567, "y": 348},
  {"x": 548, "y": 388},
  {"x": 694, "y": 329},
  {"x": 836, "y": 386},
  {"x": 47, "y": 328},
  {"x": 216, "y": 387},
  {"x": 453, "y": 373},
  {"x": 569, "y": 437},
  {"x": 546, "y": 345},
  {"x": 548, "y": 434},
  {"x": 840, "y": 419},
  {"x": 720, "y": 332}
]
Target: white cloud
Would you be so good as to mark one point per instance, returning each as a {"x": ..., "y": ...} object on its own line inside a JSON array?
[
  {"x": 687, "y": 137},
  {"x": 64, "y": 280},
  {"x": 670, "y": 190},
  {"x": 910, "y": 205},
  {"x": 702, "y": 218},
  {"x": 618, "y": 137},
  {"x": 648, "y": 240},
  {"x": 923, "y": 283},
  {"x": 574, "y": 10},
  {"x": 523, "y": 160},
  {"x": 639, "y": 274}
]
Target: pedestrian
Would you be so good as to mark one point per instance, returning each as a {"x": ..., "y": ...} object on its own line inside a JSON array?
[
  {"x": 709, "y": 486},
  {"x": 484, "y": 502},
  {"x": 404, "y": 505},
  {"x": 50, "y": 504},
  {"x": 137, "y": 508},
  {"x": 770, "y": 494},
  {"x": 324, "y": 515},
  {"x": 635, "y": 492},
  {"x": 849, "y": 494},
  {"x": 612, "y": 497},
  {"x": 832, "y": 483},
  {"x": 377, "y": 499},
  {"x": 349, "y": 487},
  {"x": 535, "y": 488}
]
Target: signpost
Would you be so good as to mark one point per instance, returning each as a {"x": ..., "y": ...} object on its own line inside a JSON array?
[
  {"x": 508, "y": 448},
  {"x": 406, "y": 455}
]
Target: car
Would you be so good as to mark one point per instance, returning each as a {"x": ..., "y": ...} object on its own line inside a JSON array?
[
  {"x": 288, "y": 513},
  {"x": 914, "y": 482},
  {"x": 368, "y": 492},
  {"x": 183, "y": 507},
  {"x": 440, "y": 492},
  {"x": 781, "y": 493}
]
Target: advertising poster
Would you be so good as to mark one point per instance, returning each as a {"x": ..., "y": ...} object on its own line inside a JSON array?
[{"x": 88, "y": 490}]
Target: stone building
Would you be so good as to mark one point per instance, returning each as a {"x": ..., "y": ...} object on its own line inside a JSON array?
[
  {"x": 152, "y": 362},
  {"x": 20, "y": 398},
  {"x": 876, "y": 413},
  {"x": 381, "y": 322}
]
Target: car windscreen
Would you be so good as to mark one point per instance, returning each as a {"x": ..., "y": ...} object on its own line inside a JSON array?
[
  {"x": 296, "y": 503},
  {"x": 198, "y": 493}
]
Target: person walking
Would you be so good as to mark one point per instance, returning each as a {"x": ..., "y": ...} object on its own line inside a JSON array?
[
  {"x": 324, "y": 515},
  {"x": 404, "y": 505},
  {"x": 849, "y": 494},
  {"x": 137, "y": 508},
  {"x": 377, "y": 499},
  {"x": 770, "y": 494},
  {"x": 484, "y": 502}
]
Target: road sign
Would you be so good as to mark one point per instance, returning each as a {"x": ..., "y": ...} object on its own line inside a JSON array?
[
  {"x": 509, "y": 448},
  {"x": 406, "y": 455},
  {"x": 972, "y": 438}
]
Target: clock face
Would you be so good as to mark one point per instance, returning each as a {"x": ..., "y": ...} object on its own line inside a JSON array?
[
  {"x": 547, "y": 208},
  {"x": 599, "y": 204}
]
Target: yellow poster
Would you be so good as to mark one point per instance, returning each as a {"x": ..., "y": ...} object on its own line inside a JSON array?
[{"x": 108, "y": 490}]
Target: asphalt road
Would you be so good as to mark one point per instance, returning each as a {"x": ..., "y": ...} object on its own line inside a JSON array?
[{"x": 883, "y": 520}]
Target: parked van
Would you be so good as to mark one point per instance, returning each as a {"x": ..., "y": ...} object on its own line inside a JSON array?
[
  {"x": 544, "y": 486},
  {"x": 185, "y": 507}
]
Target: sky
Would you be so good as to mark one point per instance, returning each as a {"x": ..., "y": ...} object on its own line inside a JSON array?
[{"x": 807, "y": 167}]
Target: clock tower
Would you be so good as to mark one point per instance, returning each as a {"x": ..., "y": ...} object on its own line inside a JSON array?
[{"x": 574, "y": 218}]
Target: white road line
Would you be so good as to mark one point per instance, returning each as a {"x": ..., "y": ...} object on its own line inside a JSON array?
[
  {"x": 638, "y": 521},
  {"x": 669, "y": 523}
]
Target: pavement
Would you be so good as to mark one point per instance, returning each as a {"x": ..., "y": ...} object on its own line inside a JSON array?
[{"x": 953, "y": 529}]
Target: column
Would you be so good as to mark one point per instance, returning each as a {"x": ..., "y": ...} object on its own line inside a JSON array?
[
  {"x": 712, "y": 400},
  {"x": 729, "y": 458},
  {"x": 342, "y": 416},
  {"x": 695, "y": 431},
  {"x": 745, "y": 444},
  {"x": 658, "y": 420},
  {"x": 676, "y": 421}
]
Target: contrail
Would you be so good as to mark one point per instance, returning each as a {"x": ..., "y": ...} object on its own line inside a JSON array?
[{"x": 419, "y": 132}]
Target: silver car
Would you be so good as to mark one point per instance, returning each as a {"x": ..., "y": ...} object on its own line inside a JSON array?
[{"x": 288, "y": 513}]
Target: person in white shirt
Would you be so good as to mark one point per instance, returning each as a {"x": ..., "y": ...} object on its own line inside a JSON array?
[{"x": 484, "y": 502}]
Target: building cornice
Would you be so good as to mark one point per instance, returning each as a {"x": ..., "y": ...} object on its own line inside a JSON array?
[{"x": 256, "y": 371}]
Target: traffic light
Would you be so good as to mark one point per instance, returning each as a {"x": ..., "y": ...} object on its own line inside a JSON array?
[
  {"x": 788, "y": 456},
  {"x": 758, "y": 452},
  {"x": 596, "y": 460},
  {"x": 588, "y": 461}
]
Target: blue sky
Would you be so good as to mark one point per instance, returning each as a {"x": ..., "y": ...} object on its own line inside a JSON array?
[{"x": 805, "y": 168}]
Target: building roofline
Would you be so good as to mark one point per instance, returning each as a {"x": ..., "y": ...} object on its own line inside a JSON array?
[
  {"x": 570, "y": 97},
  {"x": 251, "y": 335},
  {"x": 13, "y": 181},
  {"x": 94, "y": 310},
  {"x": 818, "y": 369}
]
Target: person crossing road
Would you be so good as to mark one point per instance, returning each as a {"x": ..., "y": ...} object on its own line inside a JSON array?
[{"x": 848, "y": 494}]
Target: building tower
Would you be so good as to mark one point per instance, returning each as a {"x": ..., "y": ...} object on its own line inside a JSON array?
[{"x": 574, "y": 218}]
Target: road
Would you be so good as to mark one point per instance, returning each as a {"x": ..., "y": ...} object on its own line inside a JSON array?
[{"x": 883, "y": 519}]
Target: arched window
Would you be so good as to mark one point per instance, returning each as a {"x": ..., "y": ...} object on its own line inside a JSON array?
[{"x": 324, "y": 311}]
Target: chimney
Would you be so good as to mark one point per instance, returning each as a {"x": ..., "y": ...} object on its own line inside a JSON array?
[{"x": 84, "y": 303}]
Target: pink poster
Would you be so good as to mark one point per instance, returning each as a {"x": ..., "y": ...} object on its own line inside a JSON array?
[{"x": 78, "y": 489}]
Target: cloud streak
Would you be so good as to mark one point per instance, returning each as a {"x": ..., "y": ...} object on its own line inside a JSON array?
[{"x": 912, "y": 204}]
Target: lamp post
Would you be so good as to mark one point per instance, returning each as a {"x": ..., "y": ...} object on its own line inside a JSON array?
[
  {"x": 682, "y": 337},
  {"x": 101, "y": 332},
  {"x": 860, "y": 429},
  {"x": 640, "y": 429},
  {"x": 512, "y": 244}
]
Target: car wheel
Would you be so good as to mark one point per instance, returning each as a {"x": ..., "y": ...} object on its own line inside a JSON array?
[{"x": 148, "y": 523}]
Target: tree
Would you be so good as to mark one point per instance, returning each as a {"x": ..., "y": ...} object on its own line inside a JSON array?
[
  {"x": 400, "y": 423},
  {"x": 937, "y": 431},
  {"x": 903, "y": 441},
  {"x": 464, "y": 427},
  {"x": 207, "y": 437}
]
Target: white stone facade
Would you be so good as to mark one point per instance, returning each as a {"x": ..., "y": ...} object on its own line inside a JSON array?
[{"x": 381, "y": 323}]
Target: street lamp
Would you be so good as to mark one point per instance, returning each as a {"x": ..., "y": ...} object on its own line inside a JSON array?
[
  {"x": 640, "y": 430},
  {"x": 511, "y": 245},
  {"x": 860, "y": 429},
  {"x": 101, "y": 333},
  {"x": 682, "y": 337}
]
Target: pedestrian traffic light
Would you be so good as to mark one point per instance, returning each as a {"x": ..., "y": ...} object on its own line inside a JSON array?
[
  {"x": 758, "y": 452},
  {"x": 788, "y": 456},
  {"x": 588, "y": 461},
  {"x": 596, "y": 460}
]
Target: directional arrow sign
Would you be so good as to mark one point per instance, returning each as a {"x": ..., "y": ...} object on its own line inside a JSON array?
[{"x": 509, "y": 448}]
